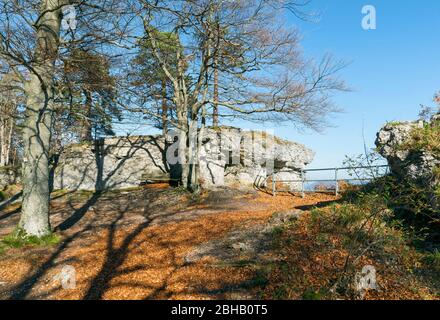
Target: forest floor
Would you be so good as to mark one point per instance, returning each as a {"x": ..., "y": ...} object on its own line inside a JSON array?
[
  {"x": 149, "y": 243},
  {"x": 154, "y": 242}
]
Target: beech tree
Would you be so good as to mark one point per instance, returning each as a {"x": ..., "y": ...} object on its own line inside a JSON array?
[
  {"x": 31, "y": 42},
  {"x": 39, "y": 91},
  {"x": 241, "y": 48},
  {"x": 264, "y": 76}
]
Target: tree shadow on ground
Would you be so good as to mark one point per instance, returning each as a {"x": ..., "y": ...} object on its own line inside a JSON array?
[
  {"x": 21, "y": 290},
  {"x": 121, "y": 240}
]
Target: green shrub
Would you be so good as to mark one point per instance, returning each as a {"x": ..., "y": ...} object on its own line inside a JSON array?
[
  {"x": 386, "y": 223},
  {"x": 311, "y": 294},
  {"x": 280, "y": 293},
  {"x": 393, "y": 123},
  {"x": 410, "y": 201},
  {"x": 433, "y": 260},
  {"x": 436, "y": 172},
  {"x": 426, "y": 138}
]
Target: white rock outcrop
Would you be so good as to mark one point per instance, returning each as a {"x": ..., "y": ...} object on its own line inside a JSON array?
[
  {"x": 416, "y": 165},
  {"x": 229, "y": 157},
  {"x": 408, "y": 161}
]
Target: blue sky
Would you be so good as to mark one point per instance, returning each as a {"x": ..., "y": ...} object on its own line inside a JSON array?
[{"x": 393, "y": 69}]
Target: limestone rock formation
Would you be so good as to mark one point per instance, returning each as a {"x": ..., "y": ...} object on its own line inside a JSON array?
[
  {"x": 229, "y": 157},
  {"x": 415, "y": 164},
  {"x": 412, "y": 157},
  {"x": 247, "y": 158},
  {"x": 114, "y": 163}
]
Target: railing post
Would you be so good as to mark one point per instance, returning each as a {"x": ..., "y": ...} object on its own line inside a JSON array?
[
  {"x": 303, "y": 176},
  {"x": 273, "y": 184},
  {"x": 336, "y": 183}
]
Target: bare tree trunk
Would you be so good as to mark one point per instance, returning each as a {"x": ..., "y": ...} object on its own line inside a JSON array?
[
  {"x": 36, "y": 138},
  {"x": 182, "y": 156},
  {"x": 2, "y": 139},
  {"x": 216, "y": 73},
  {"x": 192, "y": 153},
  {"x": 9, "y": 141},
  {"x": 7, "y": 124},
  {"x": 38, "y": 123},
  {"x": 217, "y": 51},
  {"x": 200, "y": 137},
  {"x": 215, "y": 110},
  {"x": 86, "y": 130},
  {"x": 164, "y": 108}
]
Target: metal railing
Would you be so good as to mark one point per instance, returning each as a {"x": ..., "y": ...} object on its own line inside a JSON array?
[{"x": 336, "y": 180}]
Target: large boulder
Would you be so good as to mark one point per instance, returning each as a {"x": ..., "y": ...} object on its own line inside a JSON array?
[
  {"x": 114, "y": 163},
  {"x": 411, "y": 149},
  {"x": 263, "y": 155},
  {"x": 228, "y": 157},
  {"x": 234, "y": 157}
]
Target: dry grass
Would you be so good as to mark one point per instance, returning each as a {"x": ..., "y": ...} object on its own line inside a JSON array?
[{"x": 426, "y": 138}]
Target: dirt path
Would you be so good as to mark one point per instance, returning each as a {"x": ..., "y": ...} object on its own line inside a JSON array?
[{"x": 154, "y": 243}]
